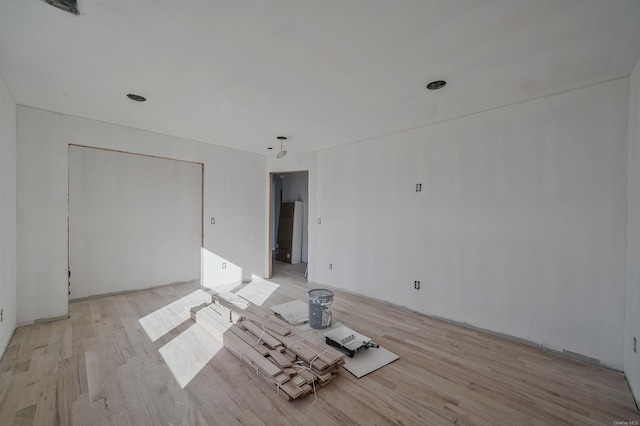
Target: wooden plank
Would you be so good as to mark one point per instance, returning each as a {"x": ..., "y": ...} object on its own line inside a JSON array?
[
  {"x": 251, "y": 340},
  {"x": 249, "y": 353},
  {"x": 300, "y": 347},
  {"x": 195, "y": 310},
  {"x": 292, "y": 390},
  {"x": 281, "y": 378},
  {"x": 298, "y": 380},
  {"x": 280, "y": 359},
  {"x": 222, "y": 314},
  {"x": 262, "y": 334},
  {"x": 291, "y": 371},
  {"x": 307, "y": 375},
  {"x": 279, "y": 327},
  {"x": 212, "y": 325}
]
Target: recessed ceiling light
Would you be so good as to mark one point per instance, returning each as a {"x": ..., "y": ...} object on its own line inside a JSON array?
[
  {"x": 70, "y": 6},
  {"x": 435, "y": 85},
  {"x": 136, "y": 98}
]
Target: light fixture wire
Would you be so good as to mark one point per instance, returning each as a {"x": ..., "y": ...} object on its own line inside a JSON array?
[{"x": 282, "y": 152}]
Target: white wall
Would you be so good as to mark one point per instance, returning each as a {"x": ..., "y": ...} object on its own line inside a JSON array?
[
  {"x": 632, "y": 309},
  {"x": 519, "y": 228},
  {"x": 295, "y": 187},
  {"x": 135, "y": 221},
  {"x": 8, "y": 237},
  {"x": 233, "y": 195}
]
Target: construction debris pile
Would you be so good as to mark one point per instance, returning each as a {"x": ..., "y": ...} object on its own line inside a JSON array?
[{"x": 294, "y": 366}]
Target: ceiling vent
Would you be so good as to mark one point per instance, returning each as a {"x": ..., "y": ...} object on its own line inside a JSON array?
[{"x": 70, "y": 6}]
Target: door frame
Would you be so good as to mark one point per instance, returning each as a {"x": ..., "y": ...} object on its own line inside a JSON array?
[{"x": 271, "y": 215}]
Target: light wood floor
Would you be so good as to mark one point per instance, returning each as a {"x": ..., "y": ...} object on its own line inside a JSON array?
[{"x": 100, "y": 367}]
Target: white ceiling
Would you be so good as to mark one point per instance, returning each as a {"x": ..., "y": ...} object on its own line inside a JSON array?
[{"x": 238, "y": 73}]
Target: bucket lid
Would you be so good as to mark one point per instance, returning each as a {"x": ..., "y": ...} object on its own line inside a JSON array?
[{"x": 319, "y": 292}]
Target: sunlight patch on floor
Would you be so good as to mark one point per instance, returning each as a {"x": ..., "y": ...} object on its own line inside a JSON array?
[
  {"x": 258, "y": 291},
  {"x": 165, "y": 319},
  {"x": 188, "y": 353}
]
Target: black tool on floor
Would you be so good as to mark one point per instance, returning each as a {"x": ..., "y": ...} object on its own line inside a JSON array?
[
  {"x": 347, "y": 342},
  {"x": 350, "y": 352}
]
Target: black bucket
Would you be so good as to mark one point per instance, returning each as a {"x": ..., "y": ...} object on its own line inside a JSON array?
[{"x": 320, "y": 301}]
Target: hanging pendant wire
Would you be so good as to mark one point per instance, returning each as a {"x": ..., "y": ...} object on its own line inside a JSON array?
[{"x": 282, "y": 152}]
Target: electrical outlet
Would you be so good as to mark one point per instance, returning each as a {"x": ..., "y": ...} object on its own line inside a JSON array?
[
  {"x": 418, "y": 187},
  {"x": 634, "y": 345},
  {"x": 416, "y": 285},
  {"x": 224, "y": 265},
  {"x": 331, "y": 266},
  {"x": 2, "y": 318},
  {"x": 213, "y": 220},
  {"x": 319, "y": 221}
]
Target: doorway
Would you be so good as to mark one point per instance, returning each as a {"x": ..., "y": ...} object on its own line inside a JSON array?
[{"x": 289, "y": 196}]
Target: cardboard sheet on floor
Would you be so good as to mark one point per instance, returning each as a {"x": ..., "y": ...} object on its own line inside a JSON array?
[
  {"x": 295, "y": 312},
  {"x": 365, "y": 360},
  {"x": 317, "y": 334},
  {"x": 369, "y": 360}
]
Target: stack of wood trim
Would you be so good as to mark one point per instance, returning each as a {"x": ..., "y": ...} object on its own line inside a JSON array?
[
  {"x": 223, "y": 314},
  {"x": 287, "y": 361}
]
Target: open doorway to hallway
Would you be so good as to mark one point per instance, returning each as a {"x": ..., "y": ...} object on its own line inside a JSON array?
[{"x": 288, "y": 230}]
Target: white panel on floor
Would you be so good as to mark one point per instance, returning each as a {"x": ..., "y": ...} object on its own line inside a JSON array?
[
  {"x": 368, "y": 360},
  {"x": 295, "y": 312}
]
